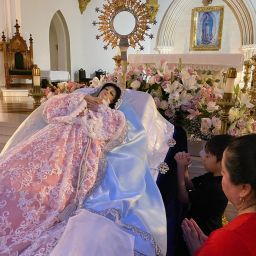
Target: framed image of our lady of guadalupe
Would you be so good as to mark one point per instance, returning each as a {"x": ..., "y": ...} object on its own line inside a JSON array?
[{"x": 206, "y": 28}]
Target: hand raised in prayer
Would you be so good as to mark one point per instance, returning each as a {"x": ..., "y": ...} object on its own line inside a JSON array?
[
  {"x": 193, "y": 235},
  {"x": 183, "y": 158}
]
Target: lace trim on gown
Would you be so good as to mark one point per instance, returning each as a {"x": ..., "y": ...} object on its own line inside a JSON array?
[{"x": 103, "y": 160}]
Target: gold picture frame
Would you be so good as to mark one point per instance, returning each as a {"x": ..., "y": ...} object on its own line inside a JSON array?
[{"x": 206, "y": 28}]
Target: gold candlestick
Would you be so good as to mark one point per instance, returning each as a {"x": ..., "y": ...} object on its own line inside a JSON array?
[
  {"x": 36, "y": 91},
  {"x": 252, "y": 91},
  {"x": 253, "y": 62},
  {"x": 227, "y": 102},
  {"x": 180, "y": 65},
  {"x": 247, "y": 72}
]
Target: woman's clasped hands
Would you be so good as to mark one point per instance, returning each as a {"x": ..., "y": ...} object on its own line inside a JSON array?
[
  {"x": 193, "y": 235},
  {"x": 93, "y": 102}
]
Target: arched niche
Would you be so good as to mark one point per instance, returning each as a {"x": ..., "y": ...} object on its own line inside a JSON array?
[{"x": 59, "y": 42}]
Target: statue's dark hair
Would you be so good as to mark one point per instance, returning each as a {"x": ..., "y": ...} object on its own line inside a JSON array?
[{"x": 118, "y": 93}]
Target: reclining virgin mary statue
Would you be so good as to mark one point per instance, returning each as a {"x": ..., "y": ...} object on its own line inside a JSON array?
[{"x": 77, "y": 177}]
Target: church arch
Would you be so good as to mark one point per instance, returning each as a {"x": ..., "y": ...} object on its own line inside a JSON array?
[
  {"x": 59, "y": 42},
  {"x": 169, "y": 24}
]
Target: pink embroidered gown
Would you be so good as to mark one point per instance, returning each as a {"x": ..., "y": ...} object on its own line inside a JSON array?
[{"x": 39, "y": 176}]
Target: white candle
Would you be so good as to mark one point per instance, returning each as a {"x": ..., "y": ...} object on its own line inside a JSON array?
[
  {"x": 36, "y": 80},
  {"x": 229, "y": 87},
  {"x": 231, "y": 76}
]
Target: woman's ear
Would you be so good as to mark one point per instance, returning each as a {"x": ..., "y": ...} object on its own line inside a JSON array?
[{"x": 246, "y": 190}]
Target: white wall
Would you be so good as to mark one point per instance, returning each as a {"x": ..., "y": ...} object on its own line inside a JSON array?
[{"x": 86, "y": 51}]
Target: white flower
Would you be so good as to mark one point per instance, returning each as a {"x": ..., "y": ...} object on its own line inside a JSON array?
[
  {"x": 175, "y": 87},
  {"x": 135, "y": 84},
  {"x": 62, "y": 86},
  {"x": 152, "y": 80},
  {"x": 245, "y": 100},
  {"x": 216, "y": 122},
  {"x": 234, "y": 114},
  {"x": 95, "y": 82},
  {"x": 173, "y": 97},
  {"x": 164, "y": 104},
  {"x": 211, "y": 106},
  {"x": 185, "y": 75},
  {"x": 190, "y": 83},
  {"x": 218, "y": 92},
  {"x": 185, "y": 98},
  {"x": 206, "y": 124}
]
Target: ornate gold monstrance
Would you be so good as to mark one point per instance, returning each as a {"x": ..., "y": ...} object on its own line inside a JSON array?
[{"x": 116, "y": 15}]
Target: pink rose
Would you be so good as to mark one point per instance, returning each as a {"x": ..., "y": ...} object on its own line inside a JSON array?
[
  {"x": 241, "y": 123},
  {"x": 206, "y": 124},
  {"x": 166, "y": 77},
  {"x": 254, "y": 126},
  {"x": 169, "y": 113}
]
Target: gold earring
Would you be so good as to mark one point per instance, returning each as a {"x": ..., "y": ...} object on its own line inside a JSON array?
[{"x": 242, "y": 199}]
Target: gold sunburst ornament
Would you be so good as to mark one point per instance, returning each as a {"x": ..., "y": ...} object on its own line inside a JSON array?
[{"x": 143, "y": 13}]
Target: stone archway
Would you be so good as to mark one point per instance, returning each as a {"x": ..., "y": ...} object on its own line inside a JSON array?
[{"x": 59, "y": 42}]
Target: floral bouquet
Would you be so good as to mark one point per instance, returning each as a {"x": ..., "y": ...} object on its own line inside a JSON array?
[
  {"x": 182, "y": 95},
  {"x": 207, "y": 120},
  {"x": 62, "y": 87},
  {"x": 186, "y": 97}
]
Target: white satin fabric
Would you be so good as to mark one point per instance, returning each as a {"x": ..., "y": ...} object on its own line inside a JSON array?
[
  {"x": 157, "y": 128},
  {"x": 107, "y": 239}
]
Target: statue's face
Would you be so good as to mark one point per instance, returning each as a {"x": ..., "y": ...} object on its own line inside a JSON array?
[{"x": 108, "y": 94}]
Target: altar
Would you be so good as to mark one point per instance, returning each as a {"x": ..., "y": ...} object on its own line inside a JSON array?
[
  {"x": 202, "y": 61},
  {"x": 55, "y": 75}
]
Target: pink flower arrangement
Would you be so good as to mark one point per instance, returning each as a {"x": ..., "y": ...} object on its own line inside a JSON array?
[{"x": 181, "y": 96}]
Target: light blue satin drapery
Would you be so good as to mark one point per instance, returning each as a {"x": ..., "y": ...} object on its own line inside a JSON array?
[{"x": 128, "y": 187}]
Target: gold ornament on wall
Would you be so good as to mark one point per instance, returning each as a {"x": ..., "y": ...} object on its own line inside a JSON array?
[
  {"x": 143, "y": 15},
  {"x": 83, "y": 4},
  {"x": 124, "y": 23}
]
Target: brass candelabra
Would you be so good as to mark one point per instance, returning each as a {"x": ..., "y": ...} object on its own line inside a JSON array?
[
  {"x": 36, "y": 93},
  {"x": 247, "y": 72},
  {"x": 227, "y": 102},
  {"x": 252, "y": 91}
]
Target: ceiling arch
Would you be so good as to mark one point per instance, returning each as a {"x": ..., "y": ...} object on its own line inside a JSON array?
[{"x": 168, "y": 26}]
